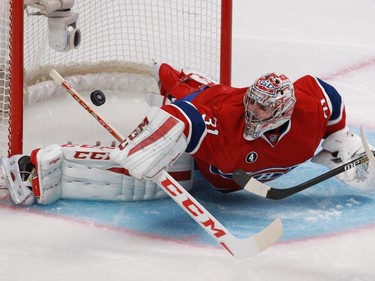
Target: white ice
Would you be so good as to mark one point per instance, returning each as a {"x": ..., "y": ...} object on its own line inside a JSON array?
[{"x": 332, "y": 39}]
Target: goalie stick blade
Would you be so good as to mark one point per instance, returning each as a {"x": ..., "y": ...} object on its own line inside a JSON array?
[
  {"x": 366, "y": 146},
  {"x": 240, "y": 248},
  {"x": 271, "y": 234},
  {"x": 247, "y": 247}
]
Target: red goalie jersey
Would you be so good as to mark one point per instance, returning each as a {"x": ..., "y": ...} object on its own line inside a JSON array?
[{"x": 214, "y": 123}]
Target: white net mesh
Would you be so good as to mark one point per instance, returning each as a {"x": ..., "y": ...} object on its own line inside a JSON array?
[
  {"x": 183, "y": 33},
  {"x": 115, "y": 34}
]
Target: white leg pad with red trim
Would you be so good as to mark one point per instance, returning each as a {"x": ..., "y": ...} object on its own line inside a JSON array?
[{"x": 86, "y": 172}]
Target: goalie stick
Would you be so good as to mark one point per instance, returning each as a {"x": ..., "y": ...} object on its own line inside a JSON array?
[
  {"x": 254, "y": 186},
  {"x": 240, "y": 248}
]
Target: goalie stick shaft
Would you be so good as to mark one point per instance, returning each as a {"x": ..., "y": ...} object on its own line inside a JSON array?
[
  {"x": 240, "y": 248},
  {"x": 261, "y": 189}
]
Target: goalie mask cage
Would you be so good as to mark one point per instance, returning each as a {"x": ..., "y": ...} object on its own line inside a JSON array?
[{"x": 116, "y": 36}]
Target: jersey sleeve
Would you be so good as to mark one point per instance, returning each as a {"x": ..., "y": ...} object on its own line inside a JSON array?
[
  {"x": 176, "y": 83},
  {"x": 330, "y": 100},
  {"x": 195, "y": 127}
]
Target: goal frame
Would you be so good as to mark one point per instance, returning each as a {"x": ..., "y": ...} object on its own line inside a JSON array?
[{"x": 16, "y": 79}]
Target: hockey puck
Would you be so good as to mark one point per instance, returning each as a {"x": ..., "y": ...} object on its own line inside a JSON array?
[{"x": 97, "y": 97}]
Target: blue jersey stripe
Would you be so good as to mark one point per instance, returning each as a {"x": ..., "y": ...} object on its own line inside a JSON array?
[
  {"x": 335, "y": 99},
  {"x": 194, "y": 94},
  {"x": 198, "y": 127}
]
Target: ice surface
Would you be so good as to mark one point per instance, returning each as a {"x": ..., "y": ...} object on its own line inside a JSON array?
[{"x": 329, "y": 230}]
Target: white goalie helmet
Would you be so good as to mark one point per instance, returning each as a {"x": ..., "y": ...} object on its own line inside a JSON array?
[{"x": 269, "y": 103}]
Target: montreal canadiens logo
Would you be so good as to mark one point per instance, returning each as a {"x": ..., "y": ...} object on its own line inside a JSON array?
[
  {"x": 269, "y": 85},
  {"x": 251, "y": 157}
]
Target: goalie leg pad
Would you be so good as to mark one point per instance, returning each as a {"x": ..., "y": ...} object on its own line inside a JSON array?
[
  {"x": 86, "y": 172},
  {"x": 110, "y": 182}
]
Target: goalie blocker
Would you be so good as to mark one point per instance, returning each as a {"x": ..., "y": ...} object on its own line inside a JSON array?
[{"x": 83, "y": 172}]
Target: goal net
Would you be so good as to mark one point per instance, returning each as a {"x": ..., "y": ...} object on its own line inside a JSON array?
[{"x": 120, "y": 41}]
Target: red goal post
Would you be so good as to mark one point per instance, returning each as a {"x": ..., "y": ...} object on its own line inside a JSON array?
[{"x": 185, "y": 33}]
